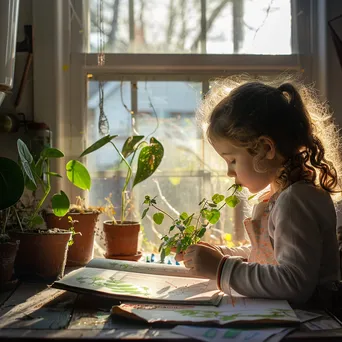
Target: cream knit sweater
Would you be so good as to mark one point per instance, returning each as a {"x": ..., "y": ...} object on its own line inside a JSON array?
[{"x": 302, "y": 227}]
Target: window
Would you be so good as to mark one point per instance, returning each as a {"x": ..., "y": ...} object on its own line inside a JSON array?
[
  {"x": 157, "y": 67},
  {"x": 192, "y": 26}
]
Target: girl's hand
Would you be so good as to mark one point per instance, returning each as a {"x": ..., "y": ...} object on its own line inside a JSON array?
[
  {"x": 203, "y": 260},
  {"x": 180, "y": 256}
]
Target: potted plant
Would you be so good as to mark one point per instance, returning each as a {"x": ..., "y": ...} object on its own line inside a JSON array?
[
  {"x": 186, "y": 230},
  {"x": 43, "y": 251},
  {"x": 84, "y": 220},
  {"x": 121, "y": 235},
  {"x": 11, "y": 189}
]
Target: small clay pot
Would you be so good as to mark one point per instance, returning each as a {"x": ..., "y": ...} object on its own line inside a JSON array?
[
  {"x": 8, "y": 252},
  {"x": 41, "y": 254},
  {"x": 82, "y": 250},
  {"x": 121, "y": 239}
]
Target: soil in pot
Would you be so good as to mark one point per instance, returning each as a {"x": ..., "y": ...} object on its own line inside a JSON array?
[
  {"x": 8, "y": 252},
  {"x": 42, "y": 254},
  {"x": 82, "y": 250},
  {"x": 121, "y": 239}
]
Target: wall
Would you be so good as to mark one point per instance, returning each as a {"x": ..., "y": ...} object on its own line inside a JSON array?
[
  {"x": 8, "y": 140},
  {"x": 334, "y": 74}
]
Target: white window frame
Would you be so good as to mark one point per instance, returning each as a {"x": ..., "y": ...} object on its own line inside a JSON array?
[{"x": 61, "y": 68}]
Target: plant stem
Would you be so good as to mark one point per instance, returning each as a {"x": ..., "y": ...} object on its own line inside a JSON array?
[
  {"x": 199, "y": 216},
  {"x": 128, "y": 177},
  {"x": 19, "y": 222},
  {"x": 46, "y": 191},
  {"x": 164, "y": 212},
  {"x": 3, "y": 229}
]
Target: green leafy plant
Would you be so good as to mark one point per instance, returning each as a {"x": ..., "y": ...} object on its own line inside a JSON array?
[
  {"x": 11, "y": 189},
  {"x": 150, "y": 156},
  {"x": 37, "y": 177},
  {"x": 190, "y": 228}
]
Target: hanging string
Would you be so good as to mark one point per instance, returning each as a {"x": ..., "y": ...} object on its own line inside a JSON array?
[{"x": 103, "y": 124}]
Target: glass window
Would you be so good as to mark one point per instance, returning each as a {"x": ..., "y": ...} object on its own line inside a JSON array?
[
  {"x": 190, "y": 169},
  {"x": 176, "y": 26}
]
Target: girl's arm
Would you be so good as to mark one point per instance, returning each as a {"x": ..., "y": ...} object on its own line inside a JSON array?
[
  {"x": 242, "y": 251},
  {"x": 298, "y": 244}
]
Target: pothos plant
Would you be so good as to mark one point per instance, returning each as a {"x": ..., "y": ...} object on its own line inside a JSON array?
[
  {"x": 150, "y": 156},
  {"x": 37, "y": 177},
  {"x": 190, "y": 228}
]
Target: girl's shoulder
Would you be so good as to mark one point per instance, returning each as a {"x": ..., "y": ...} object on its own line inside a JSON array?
[{"x": 305, "y": 193}]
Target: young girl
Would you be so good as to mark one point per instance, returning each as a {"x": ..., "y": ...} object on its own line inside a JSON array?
[{"x": 268, "y": 136}]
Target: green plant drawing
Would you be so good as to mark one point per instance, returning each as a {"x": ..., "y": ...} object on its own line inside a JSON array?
[
  {"x": 120, "y": 266},
  {"x": 116, "y": 286},
  {"x": 274, "y": 313}
]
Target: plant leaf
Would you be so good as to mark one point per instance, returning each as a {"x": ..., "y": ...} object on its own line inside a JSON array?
[
  {"x": 130, "y": 145},
  {"x": 36, "y": 221},
  {"x": 158, "y": 218},
  {"x": 213, "y": 216},
  {"x": 217, "y": 198},
  {"x": 11, "y": 183},
  {"x": 189, "y": 229},
  {"x": 78, "y": 174},
  {"x": 60, "y": 204},
  {"x": 24, "y": 152},
  {"x": 232, "y": 201},
  {"x": 188, "y": 220},
  {"x": 98, "y": 144},
  {"x": 54, "y": 174},
  {"x": 144, "y": 212},
  {"x": 50, "y": 152},
  {"x": 202, "y": 232},
  {"x": 251, "y": 197},
  {"x": 39, "y": 166},
  {"x": 184, "y": 216},
  {"x": 26, "y": 160},
  {"x": 149, "y": 159},
  {"x": 238, "y": 187}
]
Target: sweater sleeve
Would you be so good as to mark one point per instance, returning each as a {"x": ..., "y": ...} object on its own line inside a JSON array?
[
  {"x": 242, "y": 251},
  {"x": 297, "y": 248}
]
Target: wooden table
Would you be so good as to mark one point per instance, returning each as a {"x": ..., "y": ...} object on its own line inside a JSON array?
[{"x": 34, "y": 310}]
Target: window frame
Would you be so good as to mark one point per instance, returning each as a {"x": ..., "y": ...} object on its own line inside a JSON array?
[{"x": 60, "y": 42}]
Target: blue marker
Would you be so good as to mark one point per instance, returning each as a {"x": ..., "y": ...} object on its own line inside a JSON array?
[
  {"x": 177, "y": 263},
  {"x": 147, "y": 259},
  {"x": 169, "y": 262},
  {"x": 152, "y": 257}
]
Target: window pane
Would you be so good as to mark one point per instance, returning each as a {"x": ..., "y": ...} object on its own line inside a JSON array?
[
  {"x": 190, "y": 169},
  {"x": 174, "y": 26}
]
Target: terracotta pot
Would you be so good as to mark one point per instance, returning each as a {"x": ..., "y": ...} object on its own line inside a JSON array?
[
  {"x": 8, "y": 252},
  {"x": 41, "y": 255},
  {"x": 82, "y": 251},
  {"x": 121, "y": 239}
]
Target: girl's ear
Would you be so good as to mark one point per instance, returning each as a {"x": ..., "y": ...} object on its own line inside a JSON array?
[{"x": 267, "y": 147}]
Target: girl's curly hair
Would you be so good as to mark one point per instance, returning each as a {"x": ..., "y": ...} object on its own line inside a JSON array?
[{"x": 302, "y": 128}]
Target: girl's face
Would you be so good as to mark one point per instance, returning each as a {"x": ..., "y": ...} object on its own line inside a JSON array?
[{"x": 241, "y": 167}]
